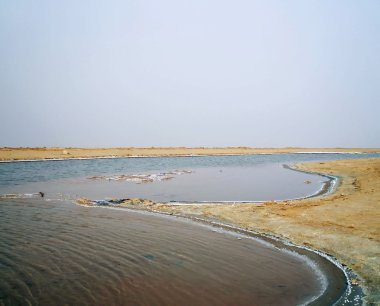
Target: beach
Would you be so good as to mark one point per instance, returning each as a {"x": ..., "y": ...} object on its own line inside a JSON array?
[
  {"x": 7, "y": 153},
  {"x": 344, "y": 224}
]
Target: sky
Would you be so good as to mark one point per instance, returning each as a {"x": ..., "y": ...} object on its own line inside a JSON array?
[{"x": 270, "y": 73}]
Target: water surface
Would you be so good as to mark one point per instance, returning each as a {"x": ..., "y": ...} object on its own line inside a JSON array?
[
  {"x": 19, "y": 173},
  {"x": 213, "y": 178},
  {"x": 57, "y": 253}
]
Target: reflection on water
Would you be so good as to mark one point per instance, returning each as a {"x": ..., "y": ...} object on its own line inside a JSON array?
[
  {"x": 264, "y": 182},
  {"x": 56, "y": 253},
  {"x": 19, "y": 173}
]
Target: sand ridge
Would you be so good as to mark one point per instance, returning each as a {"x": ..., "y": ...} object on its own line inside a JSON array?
[{"x": 7, "y": 153}]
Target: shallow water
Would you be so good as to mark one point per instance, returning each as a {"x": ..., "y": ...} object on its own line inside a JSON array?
[
  {"x": 57, "y": 253},
  {"x": 264, "y": 182},
  {"x": 20, "y": 173}
]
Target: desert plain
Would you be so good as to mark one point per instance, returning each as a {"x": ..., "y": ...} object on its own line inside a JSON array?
[{"x": 29, "y": 153}]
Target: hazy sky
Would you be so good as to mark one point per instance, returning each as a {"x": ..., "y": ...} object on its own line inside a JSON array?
[{"x": 190, "y": 73}]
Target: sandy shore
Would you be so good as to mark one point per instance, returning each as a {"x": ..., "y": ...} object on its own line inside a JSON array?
[
  {"x": 54, "y": 153},
  {"x": 344, "y": 224}
]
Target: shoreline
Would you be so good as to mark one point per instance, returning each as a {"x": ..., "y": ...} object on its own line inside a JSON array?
[
  {"x": 169, "y": 156},
  {"x": 327, "y": 188},
  {"x": 33, "y": 154},
  {"x": 342, "y": 224},
  {"x": 322, "y": 263}
]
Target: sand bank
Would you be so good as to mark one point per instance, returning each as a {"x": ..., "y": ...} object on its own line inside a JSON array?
[
  {"x": 344, "y": 224},
  {"x": 63, "y": 153}
]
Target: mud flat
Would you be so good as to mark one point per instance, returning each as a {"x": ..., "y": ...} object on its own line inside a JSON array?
[
  {"x": 7, "y": 153},
  {"x": 344, "y": 224}
]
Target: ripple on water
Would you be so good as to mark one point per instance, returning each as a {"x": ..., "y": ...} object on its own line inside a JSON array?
[{"x": 58, "y": 253}]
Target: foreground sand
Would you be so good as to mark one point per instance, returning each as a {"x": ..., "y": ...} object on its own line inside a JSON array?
[
  {"x": 345, "y": 224},
  {"x": 49, "y": 153}
]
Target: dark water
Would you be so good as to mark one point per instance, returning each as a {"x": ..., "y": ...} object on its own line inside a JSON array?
[
  {"x": 53, "y": 252},
  {"x": 57, "y": 253}
]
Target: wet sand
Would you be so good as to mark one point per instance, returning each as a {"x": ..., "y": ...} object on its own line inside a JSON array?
[
  {"x": 63, "y": 153},
  {"x": 344, "y": 224}
]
